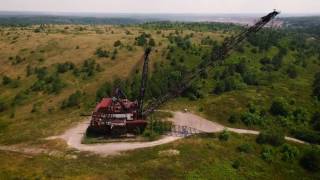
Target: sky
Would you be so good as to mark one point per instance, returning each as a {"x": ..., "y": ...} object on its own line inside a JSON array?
[{"x": 163, "y": 6}]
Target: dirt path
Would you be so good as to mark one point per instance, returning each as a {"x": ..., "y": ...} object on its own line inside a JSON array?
[
  {"x": 197, "y": 122},
  {"x": 73, "y": 136}
]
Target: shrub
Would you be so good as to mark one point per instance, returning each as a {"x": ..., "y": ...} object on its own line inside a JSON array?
[
  {"x": 289, "y": 153},
  {"x": 250, "y": 119},
  {"x": 88, "y": 68},
  {"x": 315, "y": 122},
  {"x": 117, "y": 43},
  {"x": 316, "y": 86},
  {"x": 228, "y": 84},
  {"x": 19, "y": 98},
  {"x": 29, "y": 70},
  {"x": 236, "y": 164},
  {"x": 251, "y": 78},
  {"x": 267, "y": 153},
  {"x": 233, "y": 118},
  {"x": 311, "y": 160},
  {"x": 156, "y": 128},
  {"x": 6, "y": 80},
  {"x": 246, "y": 148},
  {"x": 72, "y": 101},
  {"x": 301, "y": 115},
  {"x": 62, "y": 68},
  {"x": 279, "y": 107},
  {"x": 273, "y": 137},
  {"x": 41, "y": 72},
  {"x": 152, "y": 43},
  {"x": 292, "y": 72},
  {"x": 142, "y": 40},
  {"x": 265, "y": 60},
  {"x": 51, "y": 84},
  {"x": 224, "y": 136},
  {"x": 2, "y": 106},
  {"x": 104, "y": 91},
  {"x": 306, "y": 135},
  {"x": 102, "y": 53}
]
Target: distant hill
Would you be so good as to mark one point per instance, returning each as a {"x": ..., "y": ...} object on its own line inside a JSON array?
[{"x": 47, "y": 19}]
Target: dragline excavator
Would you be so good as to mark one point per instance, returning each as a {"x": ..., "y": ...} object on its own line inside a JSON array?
[{"x": 118, "y": 115}]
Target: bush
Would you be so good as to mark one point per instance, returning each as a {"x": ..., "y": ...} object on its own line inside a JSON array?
[
  {"x": 89, "y": 67},
  {"x": 142, "y": 40},
  {"x": 246, "y": 148},
  {"x": 117, "y": 43},
  {"x": 301, "y": 115},
  {"x": 315, "y": 122},
  {"x": 72, "y": 101},
  {"x": 251, "y": 119},
  {"x": 156, "y": 128},
  {"x": 311, "y": 160},
  {"x": 20, "y": 97},
  {"x": 236, "y": 164},
  {"x": 316, "y": 86},
  {"x": 224, "y": 136},
  {"x": 267, "y": 153},
  {"x": 279, "y": 107},
  {"x": 228, "y": 84},
  {"x": 102, "y": 53},
  {"x": 233, "y": 119},
  {"x": 6, "y": 80},
  {"x": 2, "y": 106},
  {"x": 306, "y": 135},
  {"x": 292, "y": 72},
  {"x": 104, "y": 91},
  {"x": 50, "y": 84},
  {"x": 152, "y": 43},
  {"x": 273, "y": 137},
  {"x": 251, "y": 78},
  {"x": 289, "y": 153},
  {"x": 62, "y": 68}
]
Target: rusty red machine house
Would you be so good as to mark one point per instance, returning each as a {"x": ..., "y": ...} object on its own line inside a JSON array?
[{"x": 117, "y": 115}]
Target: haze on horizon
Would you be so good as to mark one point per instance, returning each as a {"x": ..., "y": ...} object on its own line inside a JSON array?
[{"x": 163, "y": 6}]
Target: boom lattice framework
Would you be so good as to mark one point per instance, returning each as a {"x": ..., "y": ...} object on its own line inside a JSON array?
[{"x": 217, "y": 56}]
